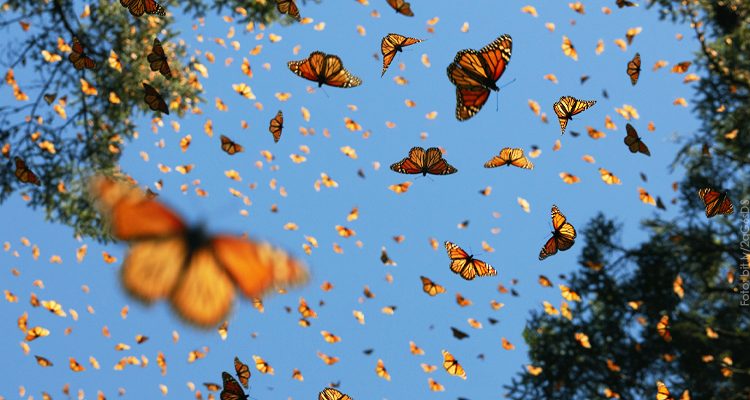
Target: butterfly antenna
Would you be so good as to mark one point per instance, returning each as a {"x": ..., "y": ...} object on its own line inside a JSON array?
[
  {"x": 324, "y": 92},
  {"x": 514, "y": 79}
]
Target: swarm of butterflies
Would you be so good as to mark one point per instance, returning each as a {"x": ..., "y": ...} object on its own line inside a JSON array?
[{"x": 200, "y": 274}]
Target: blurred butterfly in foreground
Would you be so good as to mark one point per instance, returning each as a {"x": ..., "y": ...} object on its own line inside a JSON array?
[
  {"x": 324, "y": 69},
  {"x": 402, "y": 7},
  {"x": 276, "y": 126},
  {"x": 138, "y": 7},
  {"x": 509, "y": 156},
  {"x": 158, "y": 60},
  {"x": 634, "y": 68},
  {"x": 332, "y": 394},
  {"x": 154, "y": 100},
  {"x": 78, "y": 56},
  {"x": 562, "y": 238},
  {"x": 633, "y": 141},
  {"x": 197, "y": 272},
  {"x": 391, "y": 44},
  {"x": 424, "y": 162},
  {"x": 475, "y": 73},
  {"x": 567, "y": 107},
  {"x": 466, "y": 265},
  {"x": 24, "y": 174},
  {"x": 288, "y": 7},
  {"x": 716, "y": 202},
  {"x": 232, "y": 389}
]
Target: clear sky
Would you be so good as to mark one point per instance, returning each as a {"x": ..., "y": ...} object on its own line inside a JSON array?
[{"x": 431, "y": 208}]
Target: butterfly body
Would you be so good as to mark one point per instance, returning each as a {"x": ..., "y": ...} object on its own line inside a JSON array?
[
  {"x": 325, "y": 69},
  {"x": 421, "y": 161}
]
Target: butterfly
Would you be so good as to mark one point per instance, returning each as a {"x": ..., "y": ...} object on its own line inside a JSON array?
[
  {"x": 402, "y": 7},
  {"x": 391, "y": 44},
  {"x": 568, "y": 48},
  {"x": 232, "y": 389},
  {"x": 567, "y": 107},
  {"x": 324, "y": 69},
  {"x": 662, "y": 327},
  {"x": 242, "y": 370},
  {"x": 332, "y": 394},
  {"x": 288, "y": 7},
  {"x": 633, "y": 141},
  {"x": 466, "y": 265},
  {"x": 562, "y": 238},
  {"x": 158, "y": 60},
  {"x": 475, "y": 73},
  {"x": 424, "y": 162},
  {"x": 230, "y": 147},
  {"x": 716, "y": 202},
  {"x": 459, "y": 334},
  {"x": 625, "y": 3},
  {"x": 430, "y": 287},
  {"x": 78, "y": 56},
  {"x": 509, "y": 156},
  {"x": 138, "y": 7},
  {"x": 452, "y": 366},
  {"x": 197, "y": 272},
  {"x": 154, "y": 99},
  {"x": 634, "y": 68},
  {"x": 276, "y": 126},
  {"x": 24, "y": 174}
]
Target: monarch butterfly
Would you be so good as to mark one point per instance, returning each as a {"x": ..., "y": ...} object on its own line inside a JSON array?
[
  {"x": 138, "y": 7},
  {"x": 634, "y": 68},
  {"x": 324, "y": 69},
  {"x": 402, "y": 7},
  {"x": 452, "y": 366},
  {"x": 24, "y": 174},
  {"x": 633, "y": 141},
  {"x": 43, "y": 362},
  {"x": 381, "y": 371},
  {"x": 567, "y": 107},
  {"x": 195, "y": 271},
  {"x": 662, "y": 327},
  {"x": 230, "y": 147},
  {"x": 625, "y": 3},
  {"x": 715, "y": 202},
  {"x": 288, "y": 7},
  {"x": 466, "y": 265},
  {"x": 154, "y": 100},
  {"x": 158, "y": 60},
  {"x": 263, "y": 366},
  {"x": 424, "y": 162},
  {"x": 568, "y": 48},
  {"x": 459, "y": 334},
  {"x": 662, "y": 392},
  {"x": 332, "y": 394},
  {"x": 475, "y": 73},
  {"x": 78, "y": 56},
  {"x": 509, "y": 156},
  {"x": 232, "y": 389},
  {"x": 562, "y": 238},
  {"x": 391, "y": 44},
  {"x": 276, "y": 126},
  {"x": 609, "y": 178},
  {"x": 430, "y": 287},
  {"x": 242, "y": 370}
]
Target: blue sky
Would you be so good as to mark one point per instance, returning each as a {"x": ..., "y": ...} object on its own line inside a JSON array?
[{"x": 431, "y": 208}]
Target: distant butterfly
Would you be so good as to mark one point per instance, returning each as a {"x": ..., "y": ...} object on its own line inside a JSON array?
[
  {"x": 716, "y": 202},
  {"x": 154, "y": 99},
  {"x": 567, "y": 107},
  {"x": 430, "y": 287},
  {"x": 230, "y": 147},
  {"x": 24, "y": 174},
  {"x": 276, "y": 126},
  {"x": 78, "y": 56},
  {"x": 633, "y": 141},
  {"x": 424, "y": 162},
  {"x": 288, "y": 7},
  {"x": 475, "y": 73},
  {"x": 158, "y": 60},
  {"x": 324, "y": 69},
  {"x": 662, "y": 327},
  {"x": 232, "y": 389},
  {"x": 402, "y": 7},
  {"x": 634, "y": 68},
  {"x": 242, "y": 370},
  {"x": 197, "y": 272},
  {"x": 625, "y": 3},
  {"x": 562, "y": 238},
  {"x": 138, "y": 7},
  {"x": 452, "y": 366},
  {"x": 509, "y": 156},
  {"x": 391, "y": 44},
  {"x": 466, "y": 265},
  {"x": 459, "y": 334},
  {"x": 332, "y": 394},
  {"x": 568, "y": 48}
]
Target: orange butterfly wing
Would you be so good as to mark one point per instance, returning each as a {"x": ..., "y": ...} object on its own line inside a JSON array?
[
  {"x": 634, "y": 69},
  {"x": 324, "y": 69},
  {"x": 138, "y": 7},
  {"x": 715, "y": 202},
  {"x": 391, "y": 44},
  {"x": 509, "y": 156},
  {"x": 563, "y": 237},
  {"x": 288, "y": 7},
  {"x": 402, "y": 7},
  {"x": 276, "y": 126},
  {"x": 413, "y": 164}
]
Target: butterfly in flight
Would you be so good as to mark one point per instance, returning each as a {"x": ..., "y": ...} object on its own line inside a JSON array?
[
  {"x": 242, "y": 370},
  {"x": 288, "y": 7},
  {"x": 230, "y": 147},
  {"x": 424, "y": 162},
  {"x": 466, "y": 265},
  {"x": 509, "y": 156},
  {"x": 634, "y": 68},
  {"x": 138, "y": 7},
  {"x": 158, "y": 60},
  {"x": 716, "y": 202},
  {"x": 24, "y": 174},
  {"x": 430, "y": 287},
  {"x": 562, "y": 238},
  {"x": 197, "y": 272},
  {"x": 391, "y": 44},
  {"x": 276, "y": 126},
  {"x": 232, "y": 389},
  {"x": 332, "y": 394},
  {"x": 154, "y": 100},
  {"x": 475, "y": 73},
  {"x": 78, "y": 56},
  {"x": 633, "y": 141},
  {"x": 567, "y": 107},
  {"x": 402, "y": 7},
  {"x": 324, "y": 69},
  {"x": 452, "y": 366},
  {"x": 625, "y": 3}
]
